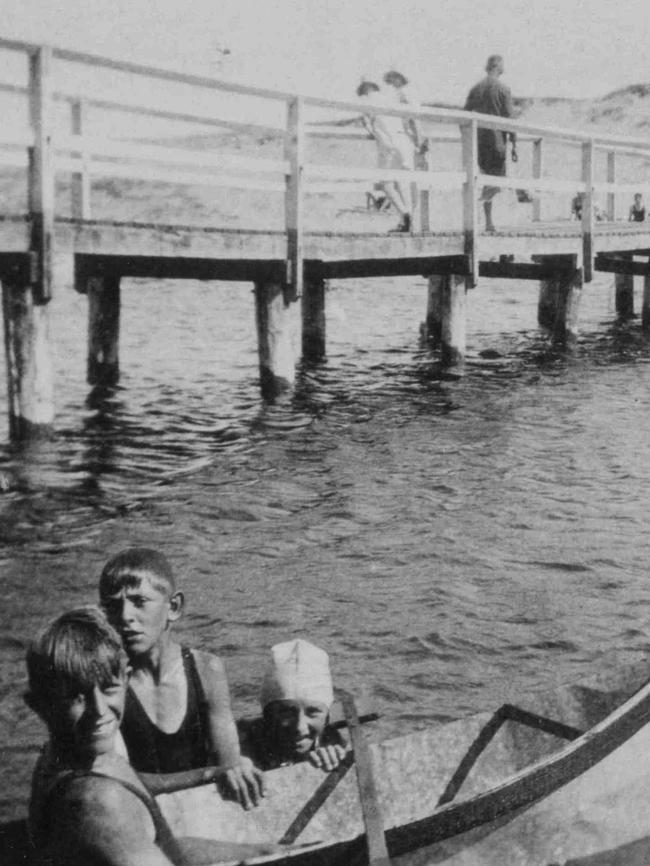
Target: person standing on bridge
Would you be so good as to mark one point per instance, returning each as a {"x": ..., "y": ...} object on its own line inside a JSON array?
[
  {"x": 394, "y": 149},
  {"x": 491, "y": 96}
]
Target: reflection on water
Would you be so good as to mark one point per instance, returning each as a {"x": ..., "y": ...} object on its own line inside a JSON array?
[{"x": 445, "y": 535}]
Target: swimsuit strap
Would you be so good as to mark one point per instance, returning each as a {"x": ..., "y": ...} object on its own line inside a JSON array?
[
  {"x": 164, "y": 837},
  {"x": 194, "y": 684}
]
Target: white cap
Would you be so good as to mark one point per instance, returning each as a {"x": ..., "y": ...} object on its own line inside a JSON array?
[{"x": 299, "y": 671}]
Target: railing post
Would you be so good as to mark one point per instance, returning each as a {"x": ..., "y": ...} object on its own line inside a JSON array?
[
  {"x": 588, "y": 209},
  {"x": 611, "y": 178},
  {"x": 424, "y": 203},
  {"x": 80, "y": 180},
  {"x": 469, "y": 140},
  {"x": 41, "y": 170},
  {"x": 538, "y": 170},
  {"x": 294, "y": 150}
]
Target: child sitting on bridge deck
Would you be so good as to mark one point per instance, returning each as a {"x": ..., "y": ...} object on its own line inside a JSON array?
[
  {"x": 88, "y": 806},
  {"x": 177, "y": 715}
]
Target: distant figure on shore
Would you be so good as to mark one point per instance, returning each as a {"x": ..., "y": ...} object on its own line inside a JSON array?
[
  {"x": 491, "y": 96},
  {"x": 394, "y": 150},
  {"x": 637, "y": 210}
]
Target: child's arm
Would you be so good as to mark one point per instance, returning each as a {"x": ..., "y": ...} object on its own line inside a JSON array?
[{"x": 241, "y": 778}]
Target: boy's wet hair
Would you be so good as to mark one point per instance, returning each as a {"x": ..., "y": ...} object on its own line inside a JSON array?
[
  {"x": 130, "y": 567},
  {"x": 73, "y": 654}
]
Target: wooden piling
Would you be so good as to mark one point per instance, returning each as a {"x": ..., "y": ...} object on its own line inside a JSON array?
[
  {"x": 624, "y": 294},
  {"x": 103, "y": 290},
  {"x": 559, "y": 298},
  {"x": 565, "y": 330},
  {"x": 313, "y": 320},
  {"x": 29, "y": 366},
  {"x": 276, "y": 335},
  {"x": 645, "y": 311},
  {"x": 432, "y": 326},
  {"x": 453, "y": 319},
  {"x": 547, "y": 303}
]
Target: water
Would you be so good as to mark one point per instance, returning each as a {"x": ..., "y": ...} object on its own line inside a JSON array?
[{"x": 444, "y": 536}]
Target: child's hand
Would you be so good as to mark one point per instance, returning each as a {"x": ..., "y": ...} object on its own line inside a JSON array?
[
  {"x": 245, "y": 783},
  {"x": 327, "y": 757}
]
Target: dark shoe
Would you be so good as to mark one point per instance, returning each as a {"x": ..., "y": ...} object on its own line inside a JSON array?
[{"x": 404, "y": 225}]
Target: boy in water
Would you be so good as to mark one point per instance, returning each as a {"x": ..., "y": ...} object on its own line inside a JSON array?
[
  {"x": 177, "y": 715},
  {"x": 296, "y": 698},
  {"x": 88, "y": 806}
]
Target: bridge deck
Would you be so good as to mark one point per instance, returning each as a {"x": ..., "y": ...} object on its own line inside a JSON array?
[{"x": 207, "y": 252}]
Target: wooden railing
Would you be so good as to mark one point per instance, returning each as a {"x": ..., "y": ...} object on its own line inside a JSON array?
[{"x": 45, "y": 150}]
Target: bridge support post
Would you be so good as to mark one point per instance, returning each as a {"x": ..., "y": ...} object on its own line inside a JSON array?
[
  {"x": 103, "y": 290},
  {"x": 432, "y": 326},
  {"x": 624, "y": 292},
  {"x": 276, "y": 338},
  {"x": 30, "y": 381},
  {"x": 313, "y": 320},
  {"x": 446, "y": 316},
  {"x": 559, "y": 298},
  {"x": 645, "y": 311},
  {"x": 565, "y": 329}
]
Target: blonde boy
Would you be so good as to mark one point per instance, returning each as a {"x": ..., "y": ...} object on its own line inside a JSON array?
[{"x": 88, "y": 806}]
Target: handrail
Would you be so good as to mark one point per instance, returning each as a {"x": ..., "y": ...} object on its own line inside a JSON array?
[
  {"x": 439, "y": 115},
  {"x": 83, "y": 156}
]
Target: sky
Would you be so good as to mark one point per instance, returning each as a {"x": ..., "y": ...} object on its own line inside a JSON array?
[{"x": 574, "y": 48}]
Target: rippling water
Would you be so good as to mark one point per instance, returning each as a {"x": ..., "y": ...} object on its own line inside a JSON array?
[{"x": 443, "y": 535}]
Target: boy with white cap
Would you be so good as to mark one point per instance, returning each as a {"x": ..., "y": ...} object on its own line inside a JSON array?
[{"x": 296, "y": 698}]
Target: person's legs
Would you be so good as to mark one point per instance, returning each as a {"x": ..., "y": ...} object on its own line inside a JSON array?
[{"x": 487, "y": 208}]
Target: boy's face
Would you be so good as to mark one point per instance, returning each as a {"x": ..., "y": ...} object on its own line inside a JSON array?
[
  {"x": 297, "y": 726},
  {"x": 86, "y": 722},
  {"x": 141, "y": 614}
]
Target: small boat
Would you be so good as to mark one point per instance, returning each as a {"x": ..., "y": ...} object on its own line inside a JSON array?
[{"x": 561, "y": 777}]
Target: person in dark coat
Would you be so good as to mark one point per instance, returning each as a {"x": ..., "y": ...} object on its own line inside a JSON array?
[{"x": 491, "y": 96}]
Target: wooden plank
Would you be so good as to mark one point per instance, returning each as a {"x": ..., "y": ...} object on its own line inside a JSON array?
[
  {"x": 178, "y": 268},
  {"x": 21, "y": 268},
  {"x": 41, "y": 173},
  {"x": 523, "y": 270},
  {"x": 541, "y": 184},
  {"x": 443, "y": 179},
  {"x": 172, "y": 156},
  {"x": 294, "y": 151},
  {"x": 393, "y": 267},
  {"x": 187, "y": 176},
  {"x": 619, "y": 265},
  {"x": 370, "y": 807},
  {"x": 470, "y": 197}
]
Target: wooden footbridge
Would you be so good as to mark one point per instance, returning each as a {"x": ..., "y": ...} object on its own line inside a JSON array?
[{"x": 58, "y": 142}]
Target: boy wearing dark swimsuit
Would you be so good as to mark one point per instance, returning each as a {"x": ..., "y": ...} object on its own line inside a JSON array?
[
  {"x": 88, "y": 806},
  {"x": 177, "y": 715}
]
